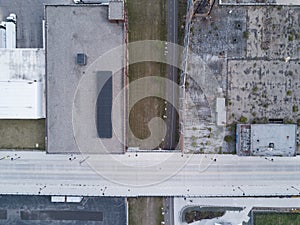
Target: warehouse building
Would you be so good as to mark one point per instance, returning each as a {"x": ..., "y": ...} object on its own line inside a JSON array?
[
  {"x": 80, "y": 91},
  {"x": 22, "y": 84},
  {"x": 266, "y": 139}
]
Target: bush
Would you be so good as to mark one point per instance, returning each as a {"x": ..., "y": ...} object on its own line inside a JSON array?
[
  {"x": 295, "y": 108},
  {"x": 246, "y": 34},
  {"x": 228, "y": 138},
  {"x": 243, "y": 119},
  {"x": 255, "y": 89},
  {"x": 289, "y": 92}
]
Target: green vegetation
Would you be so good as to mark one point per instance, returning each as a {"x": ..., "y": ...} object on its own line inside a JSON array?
[
  {"x": 196, "y": 215},
  {"x": 194, "y": 138},
  {"x": 194, "y": 144},
  {"x": 291, "y": 37},
  {"x": 246, "y": 34},
  {"x": 255, "y": 89},
  {"x": 243, "y": 119},
  {"x": 228, "y": 138},
  {"x": 228, "y": 102},
  {"x": 298, "y": 122},
  {"x": 277, "y": 218},
  {"x": 295, "y": 108},
  {"x": 289, "y": 93},
  {"x": 220, "y": 150}
]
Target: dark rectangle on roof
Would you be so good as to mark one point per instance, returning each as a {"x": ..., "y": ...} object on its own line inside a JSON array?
[
  {"x": 81, "y": 59},
  {"x": 3, "y": 214},
  {"x": 104, "y": 104},
  {"x": 62, "y": 215}
]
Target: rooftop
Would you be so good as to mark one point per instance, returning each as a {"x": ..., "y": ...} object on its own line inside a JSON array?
[
  {"x": 116, "y": 10},
  {"x": 73, "y": 29},
  {"x": 259, "y": 2},
  {"x": 266, "y": 139},
  {"x": 22, "y": 86}
]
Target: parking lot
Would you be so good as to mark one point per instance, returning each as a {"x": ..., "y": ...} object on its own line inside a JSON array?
[{"x": 28, "y": 210}]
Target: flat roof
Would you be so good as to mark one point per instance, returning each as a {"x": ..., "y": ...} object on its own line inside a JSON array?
[
  {"x": 221, "y": 112},
  {"x": 259, "y": 2},
  {"x": 273, "y": 139},
  {"x": 266, "y": 139},
  {"x": 22, "y": 64},
  {"x": 21, "y": 100},
  {"x": 21, "y": 67},
  {"x": 116, "y": 10},
  {"x": 73, "y": 29}
]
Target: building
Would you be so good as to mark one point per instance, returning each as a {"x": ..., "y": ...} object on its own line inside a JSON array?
[
  {"x": 220, "y": 112},
  {"x": 22, "y": 83},
  {"x": 116, "y": 10},
  {"x": 80, "y": 91},
  {"x": 266, "y": 139}
]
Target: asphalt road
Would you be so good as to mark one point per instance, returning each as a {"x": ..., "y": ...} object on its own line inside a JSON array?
[
  {"x": 146, "y": 174},
  {"x": 169, "y": 211},
  {"x": 172, "y": 36}
]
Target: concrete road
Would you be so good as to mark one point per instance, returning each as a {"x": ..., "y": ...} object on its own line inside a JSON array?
[
  {"x": 147, "y": 174},
  {"x": 172, "y": 36}
]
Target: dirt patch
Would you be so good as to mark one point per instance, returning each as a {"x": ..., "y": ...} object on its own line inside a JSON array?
[
  {"x": 146, "y": 21},
  {"x": 22, "y": 134},
  {"x": 146, "y": 210}
]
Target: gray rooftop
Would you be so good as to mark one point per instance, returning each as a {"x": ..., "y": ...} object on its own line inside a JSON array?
[
  {"x": 273, "y": 139},
  {"x": 116, "y": 10},
  {"x": 266, "y": 139},
  {"x": 73, "y": 29}
]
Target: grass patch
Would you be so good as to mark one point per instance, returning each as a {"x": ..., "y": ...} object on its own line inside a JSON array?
[
  {"x": 146, "y": 21},
  {"x": 22, "y": 134},
  {"x": 277, "y": 218}
]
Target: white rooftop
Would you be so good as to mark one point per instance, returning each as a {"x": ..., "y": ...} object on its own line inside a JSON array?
[
  {"x": 21, "y": 100},
  {"x": 22, "y": 79},
  {"x": 221, "y": 112},
  {"x": 22, "y": 64},
  {"x": 273, "y": 139}
]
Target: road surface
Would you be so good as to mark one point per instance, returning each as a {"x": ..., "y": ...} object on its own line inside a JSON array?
[
  {"x": 172, "y": 36},
  {"x": 169, "y": 211},
  {"x": 147, "y": 174}
]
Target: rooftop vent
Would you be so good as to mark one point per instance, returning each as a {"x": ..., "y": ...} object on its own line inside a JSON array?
[{"x": 81, "y": 59}]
